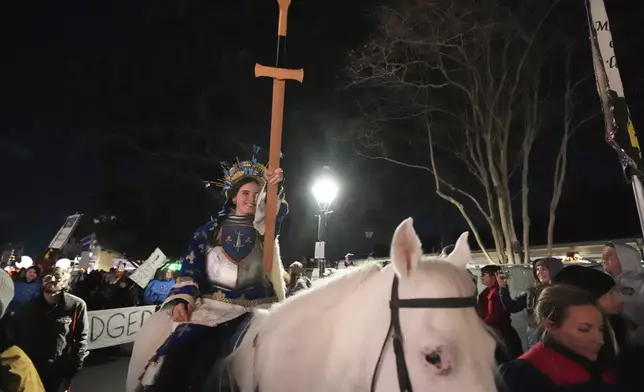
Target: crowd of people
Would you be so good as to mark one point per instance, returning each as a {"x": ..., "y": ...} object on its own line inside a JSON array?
[
  {"x": 99, "y": 289},
  {"x": 44, "y": 323},
  {"x": 584, "y": 330},
  {"x": 585, "y": 327}
]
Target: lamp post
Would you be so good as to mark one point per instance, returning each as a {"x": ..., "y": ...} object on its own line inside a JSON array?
[
  {"x": 325, "y": 190},
  {"x": 368, "y": 234}
]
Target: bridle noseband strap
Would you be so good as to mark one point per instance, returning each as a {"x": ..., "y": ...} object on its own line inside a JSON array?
[{"x": 395, "y": 304}]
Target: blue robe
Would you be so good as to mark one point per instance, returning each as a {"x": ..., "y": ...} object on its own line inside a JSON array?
[{"x": 193, "y": 279}]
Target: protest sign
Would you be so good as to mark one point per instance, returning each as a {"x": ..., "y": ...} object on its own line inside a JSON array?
[
  {"x": 60, "y": 239},
  {"x": 144, "y": 274},
  {"x": 116, "y": 326}
]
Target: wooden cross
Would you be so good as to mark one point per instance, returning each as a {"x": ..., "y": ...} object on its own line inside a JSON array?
[{"x": 279, "y": 74}]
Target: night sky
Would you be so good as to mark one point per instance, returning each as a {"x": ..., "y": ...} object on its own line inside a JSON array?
[{"x": 123, "y": 108}]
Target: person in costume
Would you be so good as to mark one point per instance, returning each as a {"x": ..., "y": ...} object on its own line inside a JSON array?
[{"x": 221, "y": 280}]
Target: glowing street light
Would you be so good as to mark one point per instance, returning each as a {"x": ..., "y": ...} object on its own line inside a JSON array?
[
  {"x": 25, "y": 262},
  {"x": 325, "y": 191},
  {"x": 64, "y": 263}
]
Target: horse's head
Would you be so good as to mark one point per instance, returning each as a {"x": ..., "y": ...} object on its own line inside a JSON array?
[{"x": 446, "y": 346}]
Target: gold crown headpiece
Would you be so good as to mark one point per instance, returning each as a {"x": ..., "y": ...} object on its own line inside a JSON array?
[{"x": 239, "y": 170}]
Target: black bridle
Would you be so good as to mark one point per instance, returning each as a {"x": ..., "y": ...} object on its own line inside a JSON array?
[{"x": 395, "y": 304}]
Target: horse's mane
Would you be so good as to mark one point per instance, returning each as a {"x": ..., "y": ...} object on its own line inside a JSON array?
[
  {"x": 299, "y": 315},
  {"x": 325, "y": 293}
]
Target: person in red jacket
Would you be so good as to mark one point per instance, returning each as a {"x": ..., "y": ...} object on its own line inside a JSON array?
[{"x": 491, "y": 310}]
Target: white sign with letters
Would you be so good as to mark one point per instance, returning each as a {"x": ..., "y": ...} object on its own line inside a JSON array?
[
  {"x": 60, "y": 239},
  {"x": 145, "y": 273},
  {"x": 116, "y": 326}
]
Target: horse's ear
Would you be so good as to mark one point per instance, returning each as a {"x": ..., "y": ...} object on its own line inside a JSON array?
[
  {"x": 461, "y": 254},
  {"x": 406, "y": 248}
]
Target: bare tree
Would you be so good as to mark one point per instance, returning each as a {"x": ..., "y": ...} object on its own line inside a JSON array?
[
  {"x": 570, "y": 124},
  {"x": 465, "y": 70}
]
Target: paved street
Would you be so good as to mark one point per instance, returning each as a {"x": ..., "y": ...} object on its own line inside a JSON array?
[{"x": 103, "y": 373}]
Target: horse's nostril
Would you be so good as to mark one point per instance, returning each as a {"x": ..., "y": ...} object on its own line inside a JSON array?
[{"x": 433, "y": 358}]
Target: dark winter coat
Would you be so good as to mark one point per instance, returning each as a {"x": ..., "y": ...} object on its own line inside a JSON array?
[
  {"x": 44, "y": 332},
  {"x": 551, "y": 367},
  {"x": 24, "y": 292}
]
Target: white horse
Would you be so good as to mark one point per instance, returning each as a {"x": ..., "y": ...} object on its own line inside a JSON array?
[{"x": 336, "y": 336}]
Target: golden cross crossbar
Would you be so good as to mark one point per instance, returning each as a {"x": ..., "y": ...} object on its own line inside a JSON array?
[{"x": 279, "y": 73}]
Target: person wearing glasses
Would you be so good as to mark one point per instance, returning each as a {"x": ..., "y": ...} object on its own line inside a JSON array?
[{"x": 53, "y": 331}]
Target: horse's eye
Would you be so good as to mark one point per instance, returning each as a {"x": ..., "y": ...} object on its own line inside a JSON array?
[{"x": 434, "y": 358}]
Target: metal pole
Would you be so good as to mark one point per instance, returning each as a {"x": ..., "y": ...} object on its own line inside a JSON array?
[
  {"x": 322, "y": 226},
  {"x": 611, "y": 93},
  {"x": 322, "y": 238},
  {"x": 638, "y": 190}
]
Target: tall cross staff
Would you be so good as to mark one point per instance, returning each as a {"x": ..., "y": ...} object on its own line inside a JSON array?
[{"x": 279, "y": 75}]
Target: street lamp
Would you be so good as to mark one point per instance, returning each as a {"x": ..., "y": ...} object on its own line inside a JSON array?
[
  {"x": 325, "y": 191},
  {"x": 25, "y": 262}
]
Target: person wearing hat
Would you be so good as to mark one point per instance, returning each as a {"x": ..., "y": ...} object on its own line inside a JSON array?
[
  {"x": 347, "y": 260},
  {"x": 222, "y": 279},
  {"x": 544, "y": 270},
  {"x": 298, "y": 280},
  {"x": 618, "y": 348},
  {"x": 17, "y": 372},
  {"x": 599, "y": 284},
  {"x": 624, "y": 264},
  {"x": 491, "y": 311}
]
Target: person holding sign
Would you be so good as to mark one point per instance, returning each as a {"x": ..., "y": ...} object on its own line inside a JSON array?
[{"x": 221, "y": 280}]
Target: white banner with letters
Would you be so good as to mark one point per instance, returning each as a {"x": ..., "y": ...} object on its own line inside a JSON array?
[
  {"x": 600, "y": 28},
  {"x": 116, "y": 326}
]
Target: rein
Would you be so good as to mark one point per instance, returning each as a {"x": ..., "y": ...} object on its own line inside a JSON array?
[{"x": 395, "y": 332}]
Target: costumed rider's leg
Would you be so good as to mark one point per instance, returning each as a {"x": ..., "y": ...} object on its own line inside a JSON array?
[
  {"x": 175, "y": 334},
  {"x": 151, "y": 336},
  {"x": 277, "y": 272}
]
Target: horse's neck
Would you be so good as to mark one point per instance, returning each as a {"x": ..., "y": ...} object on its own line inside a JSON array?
[{"x": 364, "y": 317}]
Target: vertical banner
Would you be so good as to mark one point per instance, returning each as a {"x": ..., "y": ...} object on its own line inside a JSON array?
[
  {"x": 87, "y": 242},
  {"x": 60, "y": 239},
  {"x": 620, "y": 132},
  {"x": 144, "y": 274}
]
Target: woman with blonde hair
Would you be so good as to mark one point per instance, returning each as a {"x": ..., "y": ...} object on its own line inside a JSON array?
[{"x": 567, "y": 356}]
